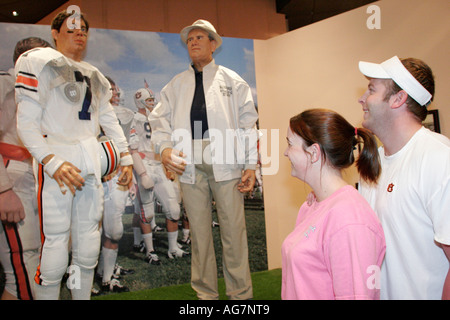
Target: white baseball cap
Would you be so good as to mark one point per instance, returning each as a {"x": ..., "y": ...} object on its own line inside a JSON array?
[
  {"x": 394, "y": 69},
  {"x": 204, "y": 25}
]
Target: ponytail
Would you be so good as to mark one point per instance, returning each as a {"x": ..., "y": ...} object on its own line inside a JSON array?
[{"x": 368, "y": 163}]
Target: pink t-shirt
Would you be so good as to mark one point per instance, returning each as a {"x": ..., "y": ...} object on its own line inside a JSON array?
[{"x": 335, "y": 250}]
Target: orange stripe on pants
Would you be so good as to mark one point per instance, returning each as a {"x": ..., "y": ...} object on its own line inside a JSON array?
[
  {"x": 17, "y": 262},
  {"x": 37, "y": 277}
]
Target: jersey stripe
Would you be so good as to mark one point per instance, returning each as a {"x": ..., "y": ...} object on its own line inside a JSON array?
[
  {"x": 32, "y": 82},
  {"x": 26, "y": 81}
]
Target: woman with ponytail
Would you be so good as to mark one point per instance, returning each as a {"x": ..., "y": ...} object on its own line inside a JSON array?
[{"x": 338, "y": 245}]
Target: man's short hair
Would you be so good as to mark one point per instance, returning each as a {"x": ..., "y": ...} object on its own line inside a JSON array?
[
  {"x": 422, "y": 72},
  {"x": 59, "y": 19},
  {"x": 28, "y": 44}
]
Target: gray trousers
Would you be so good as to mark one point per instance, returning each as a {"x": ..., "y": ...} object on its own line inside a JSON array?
[{"x": 230, "y": 211}]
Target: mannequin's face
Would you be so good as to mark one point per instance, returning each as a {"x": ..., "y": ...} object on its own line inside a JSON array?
[
  {"x": 200, "y": 47},
  {"x": 71, "y": 42}
]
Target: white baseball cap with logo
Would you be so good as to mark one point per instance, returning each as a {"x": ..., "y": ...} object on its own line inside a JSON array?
[
  {"x": 204, "y": 25},
  {"x": 394, "y": 69}
]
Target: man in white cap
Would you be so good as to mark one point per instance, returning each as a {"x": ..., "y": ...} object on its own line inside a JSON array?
[
  {"x": 202, "y": 107},
  {"x": 412, "y": 197}
]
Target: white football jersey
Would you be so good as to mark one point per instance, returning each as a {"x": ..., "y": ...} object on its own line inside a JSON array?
[
  {"x": 141, "y": 133},
  {"x": 64, "y": 101},
  {"x": 125, "y": 117}
]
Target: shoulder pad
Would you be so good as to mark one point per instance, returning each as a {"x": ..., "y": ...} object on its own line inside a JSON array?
[
  {"x": 100, "y": 85},
  {"x": 6, "y": 85},
  {"x": 36, "y": 59},
  {"x": 124, "y": 114},
  {"x": 7, "y": 80},
  {"x": 139, "y": 116}
]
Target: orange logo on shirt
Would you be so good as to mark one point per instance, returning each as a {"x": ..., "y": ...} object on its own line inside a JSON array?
[{"x": 390, "y": 187}]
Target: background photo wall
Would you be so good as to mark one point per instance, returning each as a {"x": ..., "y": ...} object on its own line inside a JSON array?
[{"x": 132, "y": 59}]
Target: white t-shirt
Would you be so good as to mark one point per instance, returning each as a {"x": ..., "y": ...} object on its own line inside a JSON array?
[{"x": 412, "y": 201}]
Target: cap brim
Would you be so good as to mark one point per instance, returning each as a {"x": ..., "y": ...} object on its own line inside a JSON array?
[
  {"x": 373, "y": 70},
  {"x": 395, "y": 70},
  {"x": 184, "y": 33}
]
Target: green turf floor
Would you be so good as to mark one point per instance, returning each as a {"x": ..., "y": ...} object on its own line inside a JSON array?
[{"x": 266, "y": 286}]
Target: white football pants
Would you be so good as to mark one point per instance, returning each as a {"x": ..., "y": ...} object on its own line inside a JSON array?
[{"x": 68, "y": 218}]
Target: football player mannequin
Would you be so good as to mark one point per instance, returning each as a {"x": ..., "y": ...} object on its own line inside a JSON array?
[
  {"x": 19, "y": 232},
  {"x": 153, "y": 182},
  {"x": 115, "y": 197},
  {"x": 62, "y": 102}
]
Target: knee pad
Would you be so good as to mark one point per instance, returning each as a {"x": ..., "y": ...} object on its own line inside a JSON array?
[
  {"x": 54, "y": 277},
  {"x": 51, "y": 272},
  {"x": 115, "y": 233},
  {"x": 54, "y": 259},
  {"x": 173, "y": 211},
  {"x": 113, "y": 226},
  {"x": 149, "y": 211},
  {"x": 87, "y": 251}
]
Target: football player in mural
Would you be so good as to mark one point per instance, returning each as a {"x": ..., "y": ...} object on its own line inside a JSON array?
[
  {"x": 115, "y": 200},
  {"x": 62, "y": 102},
  {"x": 152, "y": 180}
]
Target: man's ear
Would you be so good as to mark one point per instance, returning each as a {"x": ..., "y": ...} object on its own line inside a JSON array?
[
  {"x": 55, "y": 34},
  {"x": 213, "y": 45},
  {"x": 398, "y": 99}
]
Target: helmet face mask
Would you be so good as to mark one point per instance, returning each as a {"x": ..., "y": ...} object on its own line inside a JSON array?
[
  {"x": 150, "y": 103},
  {"x": 145, "y": 99}
]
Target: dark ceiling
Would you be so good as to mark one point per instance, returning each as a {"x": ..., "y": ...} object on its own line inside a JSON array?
[
  {"x": 298, "y": 13},
  {"x": 29, "y": 11}
]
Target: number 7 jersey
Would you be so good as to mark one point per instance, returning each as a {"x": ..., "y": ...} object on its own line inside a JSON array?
[{"x": 66, "y": 101}]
